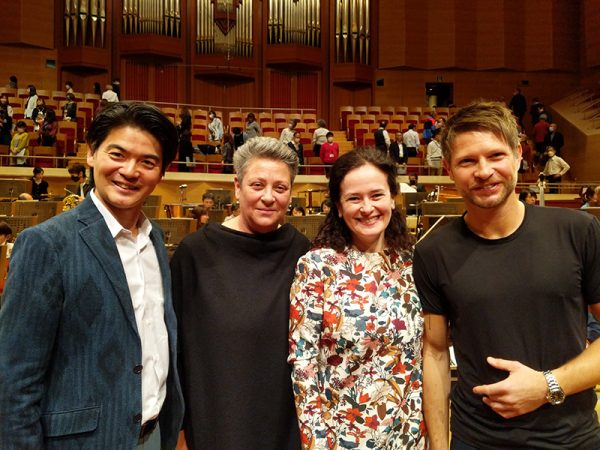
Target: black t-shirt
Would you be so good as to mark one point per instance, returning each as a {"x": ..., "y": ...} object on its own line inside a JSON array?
[{"x": 523, "y": 298}]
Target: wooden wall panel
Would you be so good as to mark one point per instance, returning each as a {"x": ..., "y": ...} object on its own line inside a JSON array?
[
  {"x": 566, "y": 34},
  {"x": 403, "y": 87},
  {"x": 166, "y": 84},
  {"x": 29, "y": 65},
  {"x": 514, "y": 28},
  {"x": 441, "y": 36},
  {"x": 27, "y": 22},
  {"x": 308, "y": 90},
  {"x": 135, "y": 84},
  {"x": 591, "y": 33},
  {"x": 466, "y": 34},
  {"x": 218, "y": 93},
  {"x": 392, "y": 32},
  {"x": 537, "y": 36},
  {"x": 417, "y": 33},
  {"x": 490, "y": 34},
  {"x": 281, "y": 89}
]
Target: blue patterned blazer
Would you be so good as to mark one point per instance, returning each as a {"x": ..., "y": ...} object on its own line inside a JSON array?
[{"x": 69, "y": 341}]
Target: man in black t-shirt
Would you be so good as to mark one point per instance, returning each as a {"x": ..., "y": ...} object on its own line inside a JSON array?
[{"x": 513, "y": 284}]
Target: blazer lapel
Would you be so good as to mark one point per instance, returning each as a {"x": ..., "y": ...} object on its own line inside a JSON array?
[{"x": 96, "y": 236}]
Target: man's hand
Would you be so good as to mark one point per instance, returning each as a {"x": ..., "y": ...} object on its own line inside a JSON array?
[{"x": 523, "y": 391}]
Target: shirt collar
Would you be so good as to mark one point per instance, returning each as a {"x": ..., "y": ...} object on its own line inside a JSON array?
[{"x": 144, "y": 225}]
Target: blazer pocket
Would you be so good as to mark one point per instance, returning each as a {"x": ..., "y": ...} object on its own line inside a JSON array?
[{"x": 62, "y": 423}]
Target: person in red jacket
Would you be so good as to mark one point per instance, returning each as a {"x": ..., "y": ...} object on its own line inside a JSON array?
[{"x": 329, "y": 152}]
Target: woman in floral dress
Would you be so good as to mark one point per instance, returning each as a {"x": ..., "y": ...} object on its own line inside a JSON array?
[{"x": 355, "y": 321}]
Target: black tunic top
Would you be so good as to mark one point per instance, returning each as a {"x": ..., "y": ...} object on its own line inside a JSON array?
[{"x": 231, "y": 295}]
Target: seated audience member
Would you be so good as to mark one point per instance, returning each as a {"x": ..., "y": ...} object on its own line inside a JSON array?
[
  {"x": 6, "y": 237},
  {"x": 227, "y": 152},
  {"x": 109, "y": 95},
  {"x": 31, "y": 102},
  {"x": 297, "y": 146},
  {"x": 528, "y": 196},
  {"x": 39, "y": 186},
  {"x": 397, "y": 151},
  {"x": 48, "y": 129},
  {"x": 96, "y": 89},
  {"x": 235, "y": 211},
  {"x": 13, "y": 82},
  {"x": 4, "y": 104},
  {"x": 208, "y": 200},
  {"x": 555, "y": 168},
  {"x": 200, "y": 213},
  {"x": 77, "y": 173},
  {"x": 590, "y": 196},
  {"x": 325, "y": 207},
  {"x": 19, "y": 144},
  {"x": 411, "y": 141},
  {"x": 24, "y": 197},
  {"x": 287, "y": 134},
  {"x": 70, "y": 108},
  {"x": 319, "y": 136},
  {"x": 5, "y": 127},
  {"x": 69, "y": 87},
  {"x": 329, "y": 152},
  {"x": 413, "y": 181},
  {"x": 39, "y": 110},
  {"x": 298, "y": 211}
]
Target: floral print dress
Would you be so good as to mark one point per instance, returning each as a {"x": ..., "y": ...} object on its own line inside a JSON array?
[{"x": 356, "y": 329}]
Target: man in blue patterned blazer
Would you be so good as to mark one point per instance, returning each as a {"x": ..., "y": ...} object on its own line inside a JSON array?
[{"x": 87, "y": 328}]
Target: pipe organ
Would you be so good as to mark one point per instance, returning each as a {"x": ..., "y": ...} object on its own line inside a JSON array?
[
  {"x": 294, "y": 22},
  {"x": 160, "y": 17},
  {"x": 352, "y": 31},
  {"x": 224, "y": 27},
  {"x": 84, "y": 23}
]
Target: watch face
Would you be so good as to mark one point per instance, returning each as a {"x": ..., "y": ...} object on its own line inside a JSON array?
[{"x": 556, "y": 397}]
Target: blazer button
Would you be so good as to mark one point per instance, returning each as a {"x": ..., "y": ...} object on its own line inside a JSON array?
[
  {"x": 138, "y": 369},
  {"x": 137, "y": 418}
]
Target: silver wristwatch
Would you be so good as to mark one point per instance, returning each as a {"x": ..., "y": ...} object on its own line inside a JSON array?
[{"x": 555, "y": 395}]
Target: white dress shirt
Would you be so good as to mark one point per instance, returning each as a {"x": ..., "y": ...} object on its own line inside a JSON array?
[
  {"x": 146, "y": 288},
  {"x": 110, "y": 96},
  {"x": 411, "y": 139}
]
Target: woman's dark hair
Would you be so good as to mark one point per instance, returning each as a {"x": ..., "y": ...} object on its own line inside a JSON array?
[
  {"x": 50, "y": 116},
  {"x": 97, "y": 89},
  {"x": 334, "y": 232},
  {"x": 526, "y": 192},
  {"x": 21, "y": 124},
  {"x": 32, "y": 90},
  {"x": 37, "y": 170},
  {"x": 69, "y": 83},
  {"x": 293, "y": 123},
  {"x": 139, "y": 115},
  {"x": 587, "y": 194},
  {"x": 5, "y": 229}
]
